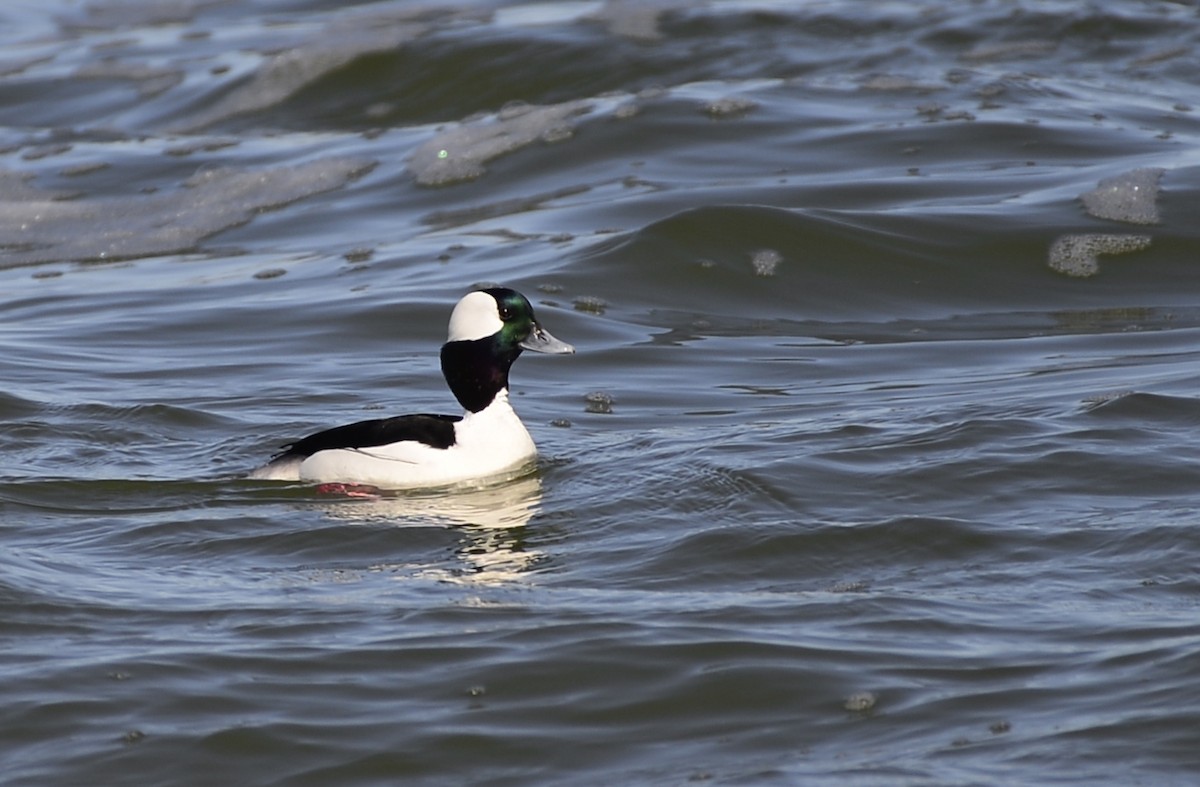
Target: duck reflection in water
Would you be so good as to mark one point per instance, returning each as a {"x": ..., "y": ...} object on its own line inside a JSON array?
[{"x": 490, "y": 521}]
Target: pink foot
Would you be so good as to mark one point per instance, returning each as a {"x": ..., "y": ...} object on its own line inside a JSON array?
[{"x": 349, "y": 490}]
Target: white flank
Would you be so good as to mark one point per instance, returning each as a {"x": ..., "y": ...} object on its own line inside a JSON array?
[
  {"x": 488, "y": 443},
  {"x": 285, "y": 468}
]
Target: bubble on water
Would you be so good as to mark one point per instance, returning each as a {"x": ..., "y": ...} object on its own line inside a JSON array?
[
  {"x": 558, "y": 134},
  {"x": 590, "y": 304},
  {"x": 765, "y": 261},
  {"x": 458, "y": 153},
  {"x": 1131, "y": 197},
  {"x": 133, "y": 736},
  {"x": 598, "y": 402},
  {"x": 860, "y": 701},
  {"x": 1075, "y": 255},
  {"x": 37, "y": 226},
  {"x": 730, "y": 106},
  {"x": 627, "y": 110},
  {"x": 359, "y": 254}
]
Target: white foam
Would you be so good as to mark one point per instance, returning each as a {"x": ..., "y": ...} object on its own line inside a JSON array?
[
  {"x": 1131, "y": 197},
  {"x": 537, "y": 14},
  {"x": 35, "y": 227},
  {"x": 765, "y": 261},
  {"x": 1075, "y": 255},
  {"x": 729, "y": 106},
  {"x": 458, "y": 153},
  {"x": 636, "y": 19}
]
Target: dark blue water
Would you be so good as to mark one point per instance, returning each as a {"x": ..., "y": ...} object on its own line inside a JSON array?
[{"x": 876, "y": 463}]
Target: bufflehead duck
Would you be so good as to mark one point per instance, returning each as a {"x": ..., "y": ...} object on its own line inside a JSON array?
[{"x": 488, "y": 330}]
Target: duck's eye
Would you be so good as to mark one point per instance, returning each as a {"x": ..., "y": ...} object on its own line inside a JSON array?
[{"x": 505, "y": 313}]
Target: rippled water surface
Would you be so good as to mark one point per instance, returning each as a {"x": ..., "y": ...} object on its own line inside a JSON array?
[{"x": 876, "y": 465}]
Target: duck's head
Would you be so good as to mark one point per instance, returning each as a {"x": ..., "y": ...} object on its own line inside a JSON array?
[
  {"x": 506, "y": 318},
  {"x": 488, "y": 330}
]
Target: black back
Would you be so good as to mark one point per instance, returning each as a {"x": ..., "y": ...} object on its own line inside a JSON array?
[{"x": 436, "y": 431}]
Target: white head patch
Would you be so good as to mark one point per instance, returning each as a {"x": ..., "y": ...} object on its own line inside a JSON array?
[{"x": 475, "y": 317}]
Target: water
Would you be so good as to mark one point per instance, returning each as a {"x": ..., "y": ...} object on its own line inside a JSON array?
[{"x": 875, "y": 464}]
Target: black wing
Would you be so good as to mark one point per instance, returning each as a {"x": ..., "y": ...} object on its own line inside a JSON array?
[{"x": 436, "y": 431}]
